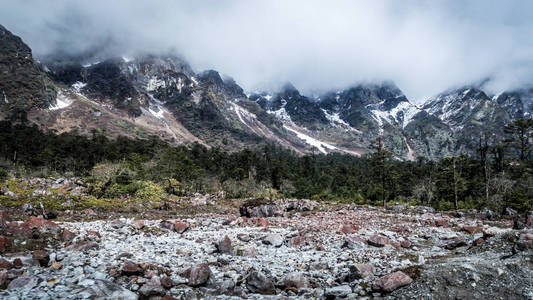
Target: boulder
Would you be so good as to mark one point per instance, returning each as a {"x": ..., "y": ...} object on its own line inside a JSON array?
[
  {"x": 257, "y": 282},
  {"x": 25, "y": 282},
  {"x": 354, "y": 242},
  {"x": 5, "y": 244},
  {"x": 180, "y": 227},
  {"x": 130, "y": 268},
  {"x": 391, "y": 282},
  {"x": 5, "y": 265},
  {"x": 378, "y": 241},
  {"x": 273, "y": 239},
  {"x": 103, "y": 289},
  {"x": 152, "y": 288},
  {"x": 224, "y": 246},
  {"x": 42, "y": 257},
  {"x": 509, "y": 212},
  {"x": 455, "y": 243},
  {"x": 336, "y": 292},
  {"x": 294, "y": 281},
  {"x": 199, "y": 275}
]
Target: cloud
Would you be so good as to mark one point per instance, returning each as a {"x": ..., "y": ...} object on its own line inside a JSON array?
[{"x": 423, "y": 46}]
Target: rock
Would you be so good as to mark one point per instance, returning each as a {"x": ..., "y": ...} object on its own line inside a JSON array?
[
  {"x": 166, "y": 282},
  {"x": 227, "y": 287},
  {"x": 8, "y": 193},
  {"x": 335, "y": 292},
  {"x": 348, "y": 229},
  {"x": 180, "y": 227},
  {"x": 518, "y": 224},
  {"x": 224, "y": 246},
  {"x": 405, "y": 244},
  {"x": 257, "y": 282},
  {"x": 4, "y": 219},
  {"x": 130, "y": 268},
  {"x": 391, "y": 282},
  {"x": 152, "y": 288},
  {"x": 354, "y": 242},
  {"x": 199, "y": 275},
  {"x": 5, "y": 265},
  {"x": 42, "y": 257},
  {"x": 5, "y": 244},
  {"x": 356, "y": 272},
  {"x": 57, "y": 266},
  {"x": 26, "y": 282},
  {"x": 455, "y": 243},
  {"x": 378, "y": 241},
  {"x": 488, "y": 214},
  {"x": 441, "y": 223},
  {"x": 529, "y": 219},
  {"x": 273, "y": 239},
  {"x": 397, "y": 207},
  {"x": 478, "y": 241},
  {"x": 17, "y": 263},
  {"x": 117, "y": 224},
  {"x": 103, "y": 289},
  {"x": 168, "y": 297},
  {"x": 365, "y": 270},
  {"x": 525, "y": 242},
  {"x": 472, "y": 229},
  {"x": 425, "y": 209},
  {"x": 4, "y": 277},
  {"x": 509, "y": 212},
  {"x": 243, "y": 237},
  {"x": 294, "y": 281},
  {"x": 67, "y": 235}
]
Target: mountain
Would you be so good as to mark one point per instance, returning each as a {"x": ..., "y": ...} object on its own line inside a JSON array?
[{"x": 162, "y": 95}]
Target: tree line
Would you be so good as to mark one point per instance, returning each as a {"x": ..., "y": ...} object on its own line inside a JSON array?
[{"x": 499, "y": 175}]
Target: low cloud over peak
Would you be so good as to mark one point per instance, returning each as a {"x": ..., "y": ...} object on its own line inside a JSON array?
[{"x": 423, "y": 46}]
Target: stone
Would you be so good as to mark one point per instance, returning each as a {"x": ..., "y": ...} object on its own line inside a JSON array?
[
  {"x": 354, "y": 242},
  {"x": 340, "y": 291},
  {"x": 397, "y": 207},
  {"x": 4, "y": 277},
  {"x": 130, "y": 268},
  {"x": 26, "y": 282},
  {"x": 152, "y": 288},
  {"x": 42, "y": 257},
  {"x": 117, "y": 224},
  {"x": 478, "y": 241},
  {"x": 103, "y": 289},
  {"x": 455, "y": 243},
  {"x": 224, "y": 246},
  {"x": 273, "y": 239},
  {"x": 391, "y": 282},
  {"x": 166, "y": 282},
  {"x": 57, "y": 266},
  {"x": 405, "y": 244},
  {"x": 295, "y": 281},
  {"x": 5, "y": 265},
  {"x": 348, "y": 229},
  {"x": 509, "y": 212},
  {"x": 378, "y": 241},
  {"x": 243, "y": 237},
  {"x": 441, "y": 223},
  {"x": 17, "y": 263},
  {"x": 180, "y": 227},
  {"x": 472, "y": 229},
  {"x": 199, "y": 275},
  {"x": 257, "y": 282},
  {"x": 5, "y": 244},
  {"x": 67, "y": 235},
  {"x": 365, "y": 270},
  {"x": 168, "y": 297}
]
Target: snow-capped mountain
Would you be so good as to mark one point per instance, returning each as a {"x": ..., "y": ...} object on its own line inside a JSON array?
[{"x": 161, "y": 95}]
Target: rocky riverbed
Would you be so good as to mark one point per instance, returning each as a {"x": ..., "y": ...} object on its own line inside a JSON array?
[{"x": 292, "y": 250}]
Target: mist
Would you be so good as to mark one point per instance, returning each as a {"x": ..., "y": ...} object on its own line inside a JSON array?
[{"x": 425, "y": 47}]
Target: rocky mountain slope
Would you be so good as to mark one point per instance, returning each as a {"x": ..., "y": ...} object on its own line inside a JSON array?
[{"x": 161, "y": 95}]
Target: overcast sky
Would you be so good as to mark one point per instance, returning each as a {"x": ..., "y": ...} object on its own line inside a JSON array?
[{"x": 423, "y": 46}]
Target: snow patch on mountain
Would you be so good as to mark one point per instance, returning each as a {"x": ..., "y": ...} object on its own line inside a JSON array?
[
  {"x": 321, "y": 146},
  {"x": 62, "y": 101}
]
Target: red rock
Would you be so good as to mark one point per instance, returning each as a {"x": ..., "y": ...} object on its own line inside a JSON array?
[
  {"x": 67, "y": 235},
  {"x": 180, "y": 227},
  {"x": 348, "y": 229},
  {"x": 5, "y": 244},
  {"x": 150, "y": 274},
  {"x": 166, "y": 282},
  {"x": 199, "y": 275},
  {"x": 138, "y": 224},
  {"x": 396, "y": 245},
  {"x": 297, "y": 241},
  {"x": 40, "y": 224},
  {"x": 390, "y": 282},
  {"x": 441, "y": 223},
  {"x": 168, "y": 297},
  {"x": 17, "y": 262},
  {"x": 250, "y": 252},
  {"x": 378, "y": 241},
  {"x": 527, "y": 236},
  {"x": 354, "y": 242},
  {"x": 472, "y": 229},
  {"x": 5, "y": 265},
  {"x": 406, "y": 244},
  {"x": 41, "y": 256},
  {"x": 478, "y": 241},
  {"x": 130, "y": 268},
  {"x": 224, "y": 246}
]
